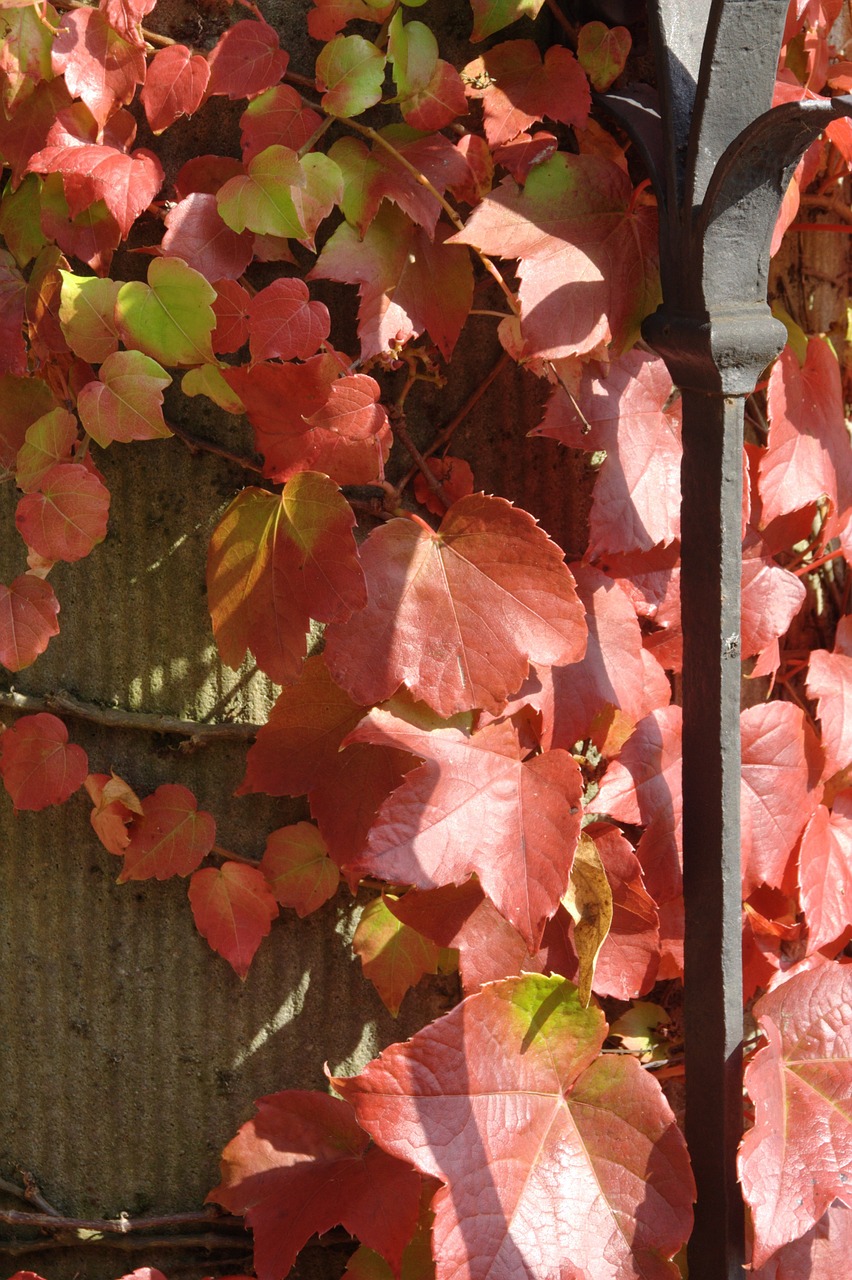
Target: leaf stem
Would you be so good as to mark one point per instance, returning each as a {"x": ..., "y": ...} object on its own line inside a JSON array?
[{"x": 230, "y": 856}]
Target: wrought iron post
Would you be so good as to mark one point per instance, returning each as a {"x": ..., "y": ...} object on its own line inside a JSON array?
[{"x": 720, "y": 161}]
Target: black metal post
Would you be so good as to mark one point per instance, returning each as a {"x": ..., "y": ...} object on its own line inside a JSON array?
[{"x": 720, "y": 161}]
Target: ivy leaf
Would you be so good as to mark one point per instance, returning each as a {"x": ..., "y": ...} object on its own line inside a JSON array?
[
  {"x": 476, "y": 806},
  {"x": 830, "y": 684},
  {"x": 246, "y": 60},
  {"x": 525, "y": 1050},
  {"x": 233, "y": 909},
  {"x": 68, "y": 517},
  {"x": 38, "y": 765},
  {"x": 262, "y": 199},
  {"x": 431, "y": 92},
  {"x": 352, "y": 409},
  {"x": 126, "y": 403},
  {"x": 408, "y": 283},
  {"x": 350, "y": 74},
  {"x": 170, "y": 838},
  {"x": 275, "y": 562},
  {"x": 19, "y": 221},
  {"x": 587, "y": 257},
  {"x": 492, "y": 15},
  {"x": 798, "y": 1157},
  {"x": 284, "y": 322},
  {"x": 820, "y": 1254},
  {"x": 115, "y": 803},
  {"x": 588, "y": 900},
  {"x": 298, "y": 869},
  {"x": 92, "y": 235},
  {"x": 25, "y": 44},
  {"x": 277, "y": 117},
  {"x": 303, "y": 1165},
  {"x": 629, "y": 957},
  {"x": 171, "y": 317},
  {"x": 48, "y": 441},
  {"x": 327, "y": 17},
  {"x": 99, "y": 66},
  {"x": 521, "y": 88},
  {"x": 28, "y": 610},
  {"x": 13, "y": 350},
  {"x": 25, "y": 130},
  {"x": 22, "y": 402},
  {"x": 825, "y": 873},
  {"x": 126, "y": 17},
  {"x": 196, "y": 233},
  {"x": 175, "y": 86},
  {"x": 393, "y": 956},
  {"x": 456, "y": 480},
  {"x": 231, "y": 310},
  {"x": 87, "y": 316},
  {"x": 492, "y": 589},
  {"x": 322, "y": 191},
  {"x": 602, "y": 52},
  {"x": 627, "y": 413},
  {"x": 126, "y": 183},
  {"x": 373, "y": 176}
]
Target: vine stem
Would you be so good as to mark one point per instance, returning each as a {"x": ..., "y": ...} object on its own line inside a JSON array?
[
  {"x": 197, "y": 444},
  {"x": 116, "y": 1226},
  {"x": 562, "y": 21},
  {"x": 198, "y": 733},
  {"x": 813, "y": 565},
  {"x": 401, "y": 430}
]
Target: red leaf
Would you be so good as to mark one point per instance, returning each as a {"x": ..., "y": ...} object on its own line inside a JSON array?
[
  {"x": 68, "y": 518},
  {"x": 233, "y": 909},
  {"x": 275, "y": 562},
  {"x": 626, "y": 413},
  {"x": 22, "y": 402},
  {"x": 48, "y": 441},
  {"x": 825, "y": 874},
  {"x": 115, "y": 803},
  {"x": 830, "y": 683},
  {"x": 352, "y": 409},
  {"x": 28, "y": 610},
  {"x": 524, "y": 1051},
  {"x": 373, "y": 176},
  {"x": 808, "y": 450},
  {"x": 13, "y": 350},
  {"x": 26, "y": 130},
  {"x": 798, "y": 1156},
  {"x": 126, "y": 16},
  {"x": 573, "y": 224},
  {"x": 524, "y": 152},
  {"x": 284, "y": 322},
  {"x": 206, "y": 174},
  {"x": 126, "y": 403},
  {"x": 196, "y": 233},
  {"x": 490, "y": 587},
  {"x": 246, "y": 60},
  {"x": 280, "y": 400},
  {"x": 627, "y": 962},
  {"x": 456, "y": 479},
  {"x": 38, "y": 765},
  {"x": 231, "y": 309},
  {"x": 298, "y": 869},
  {"x": 393, "y": 956},
  {"x": 175, "y": 87},
  {"x": 438, "y": 103},
  {"x": 822, "y": 1253},
  {"x": 781, "y": 769},
  {"x": 278, "y": 118},
  {"x": 126, "y": 183},
  {"x": 771, "y": 597},
  {"x": 408, "y": 283},
  {"x": 303, "y": 1165},
  {"x": 327, "y": 17},
  {"x": 521, "y": 88},
  {"x": 170, "y": 838},
  {"x": 477, "y": 806},
  {"x": 98, "y": 65}
]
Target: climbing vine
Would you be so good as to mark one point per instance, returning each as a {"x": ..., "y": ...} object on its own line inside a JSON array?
[{"x": 487, "y": 737}]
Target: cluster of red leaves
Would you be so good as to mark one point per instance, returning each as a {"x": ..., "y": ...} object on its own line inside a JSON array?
[{"x": 477, "y": 702}]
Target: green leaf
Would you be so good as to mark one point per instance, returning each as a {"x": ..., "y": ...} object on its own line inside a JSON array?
[
  {"x": 413, "y": 52},
  {"x": 20, "y": 225},
  {"x": 127, "y": 402},
  {"x": 393, "y": 955},
  {"x": 352, "y": 71},
  {"x": 171, "y": 317},
  {"x": 492, "y": 15},
  {"x": 48, "y": 441},
  {"x": 298, "y": 869},
  {"x": 262, "y": 200},
  {"x": 87, "y": 315},
  {"x": 207, "y": 381}
]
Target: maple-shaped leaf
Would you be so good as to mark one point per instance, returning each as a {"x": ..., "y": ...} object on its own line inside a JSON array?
[
  {"x": 284, "y": 322},
  {"x": 298, "y": 752},
  {"x": 246, "y": 60},
  {"x": 170, "y": 838},
  {"x": 22, "y": 402},
  {"x": 496, "y": 593},
  {"x": 126, "y": 403},
  {"x": 278, "y": 117},
  {"x": 38, "y": 765},
  {"x": 521, "y": 88},
  {"x": 126, "y": 183},
  {"x": 781, "y": 768},
  {"x": 298, "y": 869},
  {"x": 476, "y": 805},
  {"x": 87, "y": 316},
  {"x": 28, "y": 609},
  {"x": 231, "y": 310},
  {"x": 825, "y": 874},
  {"x": 587, "y": 256},
  {"x": 115, "y": 803},
  {"x": 408, "y": 283},
  {"x": 171, "y": 317},
  {"x": 303, "y": 1165},
  {"x": 393, "y": 956},
  {"x": 373, "y": 176},
  {"x": 285, "y": 404},
  {"x": 48, "y": 441},
  {"x": 626, "y": 412},
  {"x": 233, "y": 908},
  {"x": 350, "y": 72},
  {"x": 196, "y": 233},
  {"x": 525, "y": 1051},
  {"x": 99, "y": 66},
  {"x": 261, "y": 200},
  {"x": 820, "y": 1254},
  {"x": 275, "y": 562},
  {"x": 807, "y": 454},
  {"x": 492, "y": 15},
  {"x": 798, "y": 1157},
  {"x": 830, "y": 683},
  {"x": 602, "y": 52},
  {"x": 175, "y": 86},
  {"x": 68, "y": 516}
]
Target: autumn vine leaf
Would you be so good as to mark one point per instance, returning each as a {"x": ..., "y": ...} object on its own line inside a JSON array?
[
  {"x": 233, "y": 908},
  {"x": 126, "y": 403},
  {"x": 175, "y": 86},
  {"x": 171, "y": 317},
  {"x": 246, "y": 60},
  {"x": 298, "y": 869},
  {"x": 28, "y": 609},
  {"x": 492, "y": 15},
  {"x": 48, "y": 441},
  {"x": 67, "y": 516},
  {"x": 628, "y": 1202},
  {"x": 350, "y": 72},
  {"x": 393, "y": 956},
  {"x": 38, "y": 764},
  {"x": 170, "y": 838}
]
